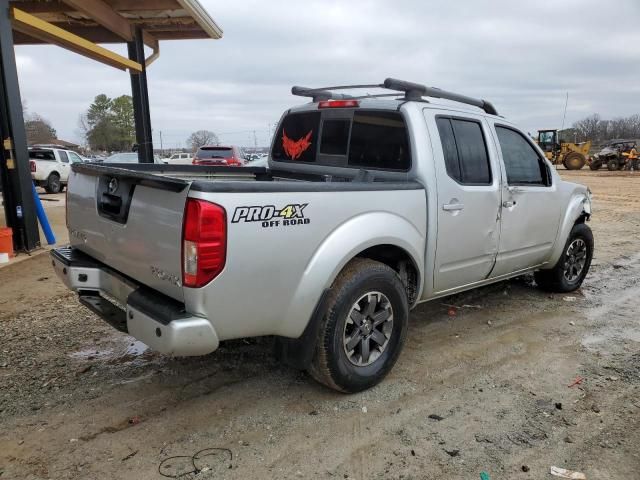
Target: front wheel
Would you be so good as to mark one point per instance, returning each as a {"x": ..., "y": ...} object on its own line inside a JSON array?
[
  {"x": 363, "y": 327},
  {"x": 574, "y": 161},
  {"x": 568, "y": 273},
  {"x": 613, "y": 165}
]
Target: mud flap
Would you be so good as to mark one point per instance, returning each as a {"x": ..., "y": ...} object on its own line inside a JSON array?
[{"x": 298, "y": 352}]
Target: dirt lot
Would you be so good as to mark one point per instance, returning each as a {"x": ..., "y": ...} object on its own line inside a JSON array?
[{"x": 485, "y": 390}]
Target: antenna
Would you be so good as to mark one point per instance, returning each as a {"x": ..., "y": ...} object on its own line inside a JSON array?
[{"x": 564, "y": 116}]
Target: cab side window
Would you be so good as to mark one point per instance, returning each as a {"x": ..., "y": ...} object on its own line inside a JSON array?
[
  {"x": 63, "y": 156},
  {"x": 523, "y": 164},
  {"x": 465, "y": 151}
]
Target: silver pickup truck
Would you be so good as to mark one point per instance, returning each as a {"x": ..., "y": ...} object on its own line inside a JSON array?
[{"x": 371, "y": 204}]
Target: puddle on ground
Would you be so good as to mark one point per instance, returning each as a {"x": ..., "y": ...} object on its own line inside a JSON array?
[
  {"x": 123, "y": 350},
  {"x": 608, "y": 341}
]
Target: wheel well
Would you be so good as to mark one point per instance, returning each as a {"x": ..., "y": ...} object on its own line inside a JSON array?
[
  {"x": 582, "y": 218},
  {"x": 51, "y": 173},
  {"x": 399, "y": 260}
]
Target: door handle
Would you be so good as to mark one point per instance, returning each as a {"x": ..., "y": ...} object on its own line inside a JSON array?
[
  {"x": 452, "y": 207},
  {"x": 515, "y": 190},
  {"x": 509, "y": 203}
]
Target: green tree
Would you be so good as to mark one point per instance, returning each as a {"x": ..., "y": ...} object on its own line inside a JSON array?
[
  {"x": 110, "y": 123},
  {"x": 99, "y": 110},
  {"x": 123, "y": 119}
]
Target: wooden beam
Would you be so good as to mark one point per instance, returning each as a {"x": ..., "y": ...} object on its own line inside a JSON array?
[
  {"x": 55, "y": 6},
  {"x": 104, "y": 15},
  {"x": 49, "y": 33}
]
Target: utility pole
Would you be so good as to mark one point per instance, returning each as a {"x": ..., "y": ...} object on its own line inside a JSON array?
[
  {"x": 255, "y": 142},
  {"x": 161, "y": 149}
]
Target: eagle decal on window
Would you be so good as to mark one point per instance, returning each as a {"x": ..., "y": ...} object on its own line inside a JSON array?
[{"x": 295, "y": 148}]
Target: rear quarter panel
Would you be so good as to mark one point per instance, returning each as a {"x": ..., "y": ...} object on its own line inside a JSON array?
[{"x": 276, "y": 273}]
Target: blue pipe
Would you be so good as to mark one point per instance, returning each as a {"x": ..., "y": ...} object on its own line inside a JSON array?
[{"x": 44, "y": 221}]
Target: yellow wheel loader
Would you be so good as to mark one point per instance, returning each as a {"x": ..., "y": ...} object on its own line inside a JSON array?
[{"x": 572, "y": 155}]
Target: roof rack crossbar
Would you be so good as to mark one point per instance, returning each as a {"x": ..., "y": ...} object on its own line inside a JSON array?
[
  {"x": 318, "y": 94},
  {"x": 415, "y": 91},
  {"x": 412, "y": 91}
]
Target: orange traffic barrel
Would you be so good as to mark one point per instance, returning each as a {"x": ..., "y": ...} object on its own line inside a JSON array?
[{"x": 6, "y": 241}]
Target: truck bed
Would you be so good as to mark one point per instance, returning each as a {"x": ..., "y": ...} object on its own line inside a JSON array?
[{"x": 287, "y": 235}]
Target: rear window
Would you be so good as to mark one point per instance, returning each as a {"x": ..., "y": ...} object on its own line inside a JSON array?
[
  {"x": 346, "y": 138},
  {"x": 297, "y": 138},
  {"x": 379, "y": 140},
  {"x": 214, "y": 152},
  {"x": 42, "y": 155}
]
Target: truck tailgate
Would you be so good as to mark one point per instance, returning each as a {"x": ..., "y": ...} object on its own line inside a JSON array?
[{"x": 132, "y": 223}]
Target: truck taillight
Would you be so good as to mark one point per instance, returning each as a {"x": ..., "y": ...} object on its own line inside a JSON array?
[
  {"x": 32, "y": 165},
  {"x": 204, "y": 242}
]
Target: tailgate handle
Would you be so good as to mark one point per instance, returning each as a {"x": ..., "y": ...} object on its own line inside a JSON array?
[{"x": 110, "y": 204}]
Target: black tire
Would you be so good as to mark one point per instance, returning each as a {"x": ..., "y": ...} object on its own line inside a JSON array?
[
  {"x": 574, "y": 161},
  {"x": 595, "y": 165},
  {"x": 613, "y": 165},
  {"x": 53, "y": 183},
  {"x": 361, "y": 282},
  {"x": 564, "y": 276}
]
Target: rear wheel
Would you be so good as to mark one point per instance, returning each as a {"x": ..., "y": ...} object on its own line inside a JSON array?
[
  {"x": 363, "y": 327},
  {"x": 568, "y": 273},
  {"x": 595, "y": 165},
  {"x": 574, "y": 161},
  {"x": 53, "y": 183}
]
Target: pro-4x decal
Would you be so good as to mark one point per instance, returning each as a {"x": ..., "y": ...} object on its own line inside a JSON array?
[
  {"x": 295, "y": 148},
  {"x": 270, "y": 216}
]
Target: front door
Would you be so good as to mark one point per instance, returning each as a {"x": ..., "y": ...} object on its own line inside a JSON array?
[
  {"x": 530, "y": 210},
  {"x": 468, "y": 182},
  {"x": 65, "y": 166}
]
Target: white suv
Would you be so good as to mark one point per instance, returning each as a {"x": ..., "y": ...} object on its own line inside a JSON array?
[
  {"x": 50, "y": 167},
  {"x": 180, "y": 159}
]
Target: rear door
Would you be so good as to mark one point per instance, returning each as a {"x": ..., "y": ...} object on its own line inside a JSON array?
[
  {"x": 131, "y": 225},
  {"x": 530, "y": 210},
  {"x": 468, "y": 184}
]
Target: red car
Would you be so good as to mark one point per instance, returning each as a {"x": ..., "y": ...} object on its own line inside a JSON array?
[{"x": 218, "y": 155}]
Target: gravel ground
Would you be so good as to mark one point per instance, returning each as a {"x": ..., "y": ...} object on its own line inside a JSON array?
[{"x": 484, "y": 390}]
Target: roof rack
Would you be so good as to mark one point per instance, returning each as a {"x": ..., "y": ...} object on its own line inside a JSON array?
[{"x": 412, "y": 91}]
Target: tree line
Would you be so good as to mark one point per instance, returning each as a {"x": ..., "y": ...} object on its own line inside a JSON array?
[{"x": 599, "y": 130}]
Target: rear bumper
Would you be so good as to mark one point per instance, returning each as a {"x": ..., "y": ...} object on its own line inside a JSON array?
[{"x": 153, "y": 318}]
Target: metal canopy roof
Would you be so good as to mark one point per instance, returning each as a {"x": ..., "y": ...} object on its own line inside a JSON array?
[{"x": 111, "y": 21}]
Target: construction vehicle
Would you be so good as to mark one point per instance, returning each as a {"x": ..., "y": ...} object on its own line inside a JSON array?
[
  {"x": 572, "y": 155},
  {"x": 614, "y": 154}
]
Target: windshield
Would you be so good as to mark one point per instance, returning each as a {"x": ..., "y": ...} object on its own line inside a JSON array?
[
  {"x": 123, "y": 158},
  {"x": 546, "y": 137},
  {"x": 214, "y": 152}
]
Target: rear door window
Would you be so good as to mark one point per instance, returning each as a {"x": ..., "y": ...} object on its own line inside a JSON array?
[
  {"x": 63, "y": 156},
  {"x": 465, "y": 151}
]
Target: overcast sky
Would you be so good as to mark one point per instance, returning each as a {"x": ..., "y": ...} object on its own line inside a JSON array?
[{"x": 522, "y": 56}]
